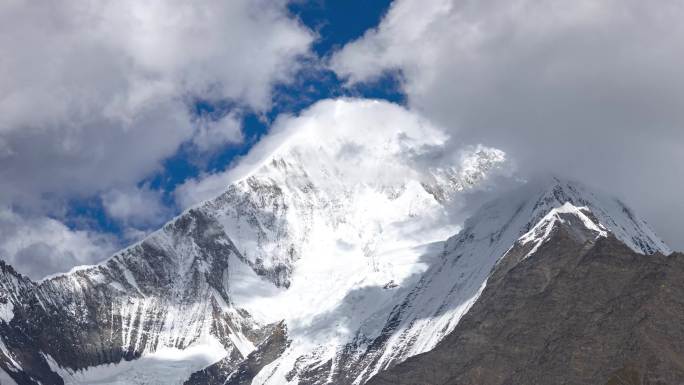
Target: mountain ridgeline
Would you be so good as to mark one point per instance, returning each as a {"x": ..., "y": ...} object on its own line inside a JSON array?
[
  {"x": 301, "y": 273},
  {"x": 580, "y": 310}
]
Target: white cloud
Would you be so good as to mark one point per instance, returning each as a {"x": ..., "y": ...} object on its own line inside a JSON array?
[
  {"x": 212, "y": 134},
  {"x": 347, "y": 130},
  {"x": 363, "y": 141},
  {"x": 93, "y": 86},
  {"x": 94, "y": 96},
  {"x": 136, "y": 207},
  {"x": 37, "y": 246},
  {"x": 589, "y": 88}
]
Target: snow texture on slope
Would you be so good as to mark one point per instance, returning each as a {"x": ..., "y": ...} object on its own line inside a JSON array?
[
  {"x": 349, "y": 255},
  {"x": 352, "y": 307},
  {"x": 293, "y": 240}
]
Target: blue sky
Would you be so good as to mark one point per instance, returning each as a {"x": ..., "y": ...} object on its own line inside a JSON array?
[{"x": 335, "y": 22}]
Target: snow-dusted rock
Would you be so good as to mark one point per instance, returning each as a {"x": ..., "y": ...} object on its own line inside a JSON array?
[{"x": 305, "y": 271}]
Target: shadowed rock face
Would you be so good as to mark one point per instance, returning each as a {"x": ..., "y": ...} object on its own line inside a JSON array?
[{"x": 577, "y": 311}]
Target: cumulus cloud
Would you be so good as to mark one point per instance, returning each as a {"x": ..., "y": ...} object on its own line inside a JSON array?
[
  {"x": 358, "y": 140},
  {"x": 346, "y": 130},
  {"x": 212, "y": 134},
  {"x": 95, "y": 95},
  {"x": 139, "y": 207},
  {"x": 37, "y": 246},
  {"x": 591, "y": 89},
  {"x": 92, "y": 86}
]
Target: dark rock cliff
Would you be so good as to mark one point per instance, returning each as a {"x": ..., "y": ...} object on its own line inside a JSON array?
[{"x": 577, "y": 311}]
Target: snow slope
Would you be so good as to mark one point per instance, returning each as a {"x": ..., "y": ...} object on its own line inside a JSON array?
[
  {"x": 431, "y": 303},
  {"x": 340, "y": 239},
  {"x": 322, "y": 217},
  {"x": 351, "y": 310},
  {"x": 165, "y": 366}
]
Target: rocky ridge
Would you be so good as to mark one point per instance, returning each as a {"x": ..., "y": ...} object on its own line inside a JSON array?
[
  {"x": 293, "y": 275},
  {"x": 579, "y": 308}
]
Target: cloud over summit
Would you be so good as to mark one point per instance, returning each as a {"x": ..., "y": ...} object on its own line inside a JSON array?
[
  {"x": 591, "y": 89},
  {"x": 98, "y": 98}
]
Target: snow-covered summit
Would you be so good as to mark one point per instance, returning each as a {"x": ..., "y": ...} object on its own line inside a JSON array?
[
  {"x": 561, "y": 215},
  {"x": 346, "y": 142},
  {"x": 322, "y": 216},
  {"x": 328, "y": 256},
  {"x": 515, "y": 213},
  {"x": 524, "y": 216}
]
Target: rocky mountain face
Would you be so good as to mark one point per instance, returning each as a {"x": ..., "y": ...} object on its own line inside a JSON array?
[
  {"x": 302, "y": 272},
  {"x": 579, "y": 309},
  {"x": 147, "y": 297}
]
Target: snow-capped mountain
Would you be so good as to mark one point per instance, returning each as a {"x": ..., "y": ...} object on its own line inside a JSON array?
[
  {"x": 569, "y": 302},
  {"x": 321, "y": 265}
]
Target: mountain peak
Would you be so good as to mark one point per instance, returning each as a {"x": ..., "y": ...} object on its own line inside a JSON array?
[
  {"x": 357, "y": 273},
  {"x": 565, "y": 214},
  {"x": 516, "y": 212},
  {"x": 593, "y": 300},
  {"x": 609, "y": 211},
  {"x": 348, "y": 142}
]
